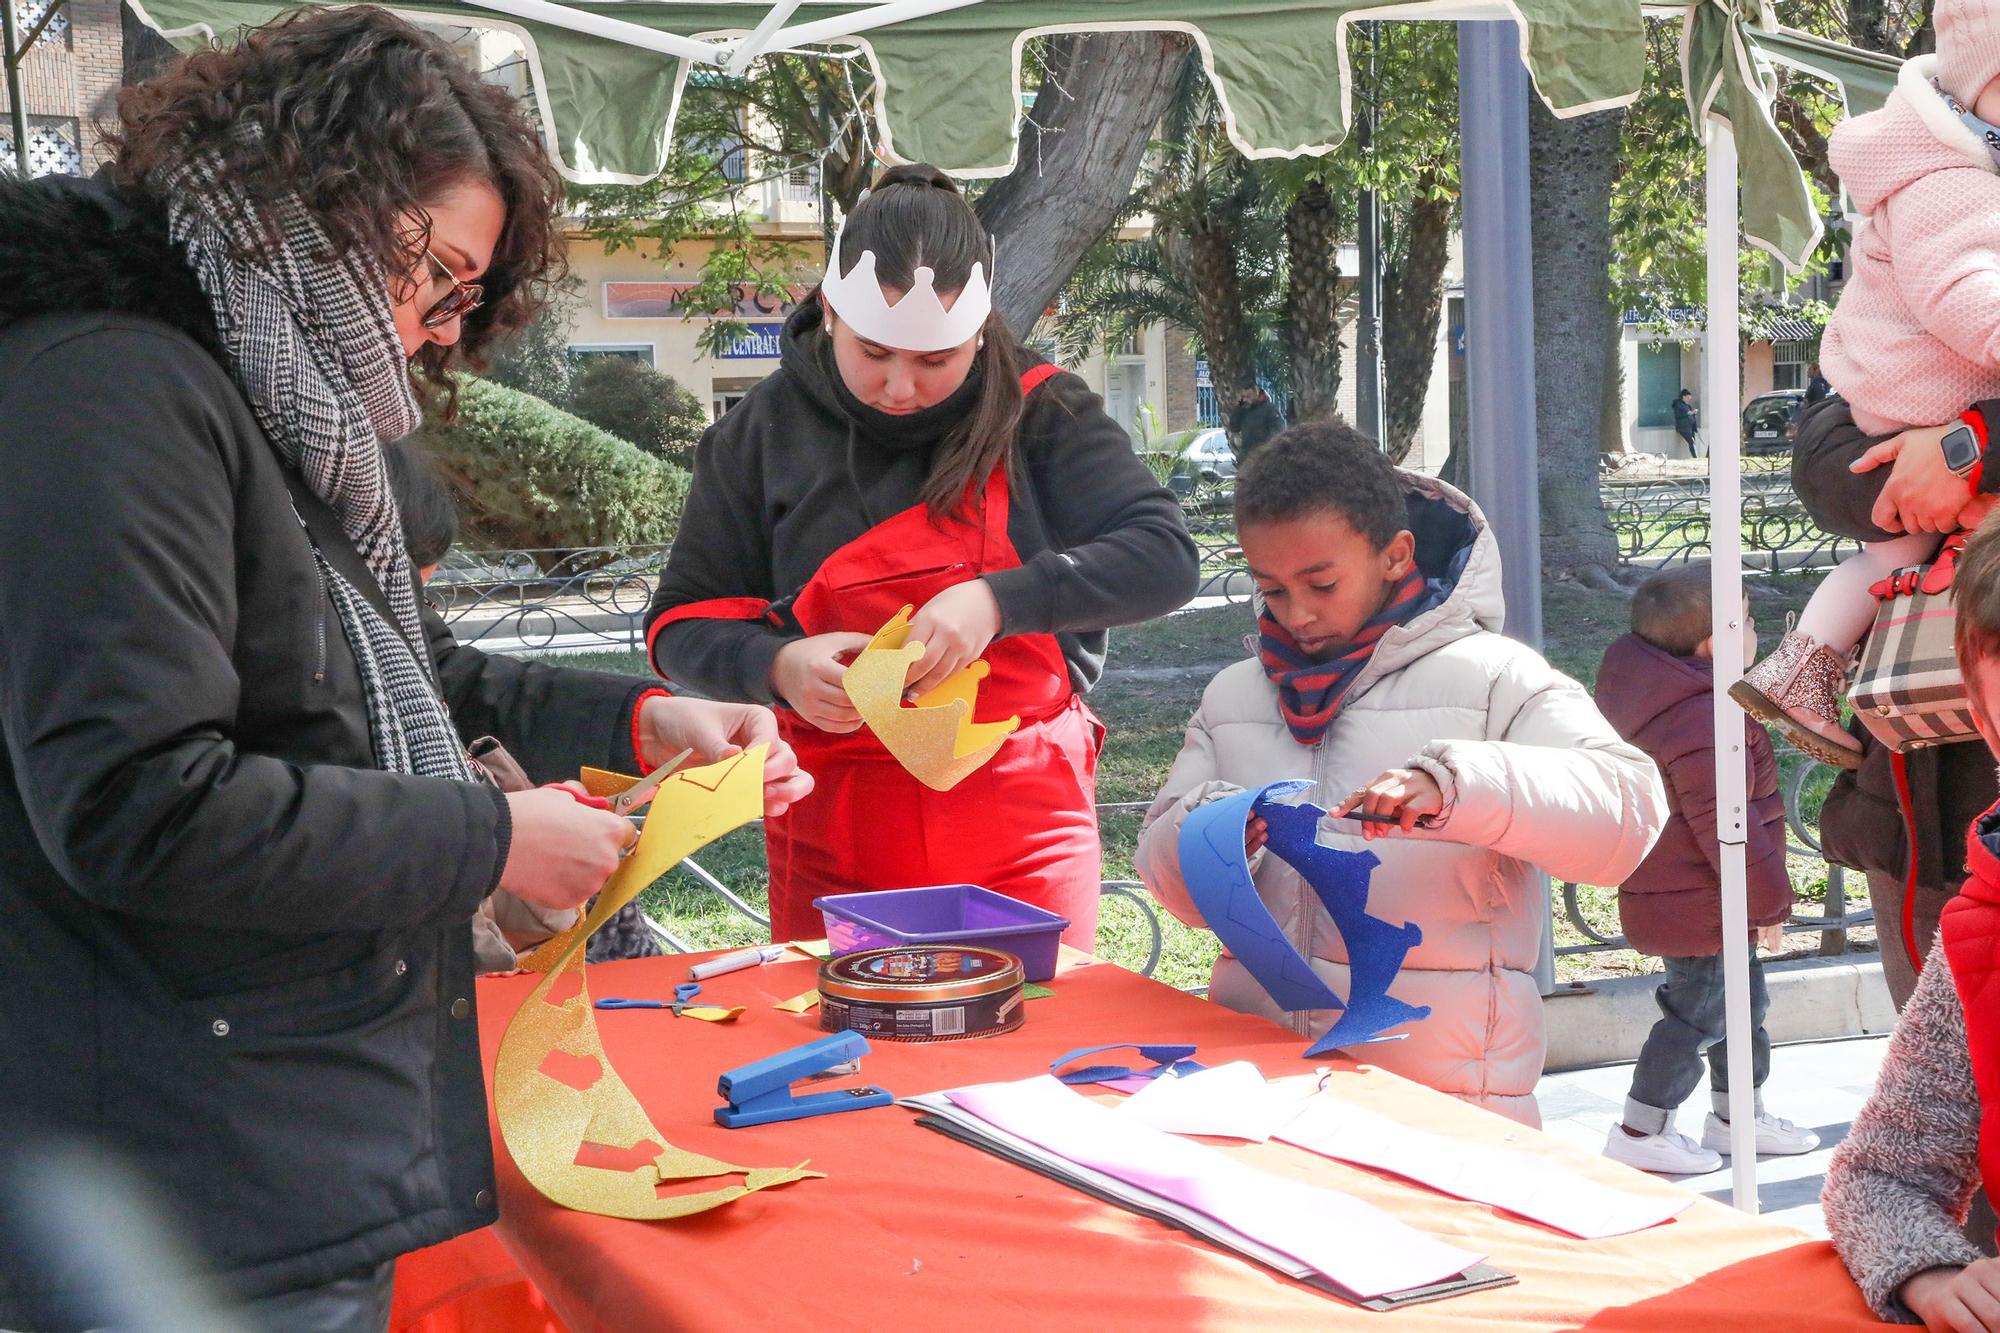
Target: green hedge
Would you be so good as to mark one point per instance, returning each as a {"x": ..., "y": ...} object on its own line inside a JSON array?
[{"x": 526, "y": 474}]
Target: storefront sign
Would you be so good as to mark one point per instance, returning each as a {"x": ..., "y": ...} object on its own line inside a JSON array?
[
  {"x": 756, "y": 342},
  {"x": 663, "y": 300}
]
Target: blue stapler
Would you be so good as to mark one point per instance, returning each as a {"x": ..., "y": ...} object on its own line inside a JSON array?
[{"x": 760, "y": 1092}]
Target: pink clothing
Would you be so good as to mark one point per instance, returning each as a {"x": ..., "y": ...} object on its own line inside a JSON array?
[{"x": 1916, "y": 336}]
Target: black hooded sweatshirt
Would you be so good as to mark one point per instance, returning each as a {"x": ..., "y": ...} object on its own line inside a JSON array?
[{"x": 800, "y": 468}]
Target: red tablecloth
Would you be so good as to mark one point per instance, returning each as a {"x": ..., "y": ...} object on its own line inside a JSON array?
[{"x": 912, "y": 1230}]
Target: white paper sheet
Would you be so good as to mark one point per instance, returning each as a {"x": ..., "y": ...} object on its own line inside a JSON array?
[
  {"x": 1229, "y": 1101},
  {"x": 1354, "y": 1243},
  {"x": 1522, "y": 1183}
]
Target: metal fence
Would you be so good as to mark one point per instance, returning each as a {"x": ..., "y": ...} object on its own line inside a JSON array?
[
  {"x": 1662, "y": 520},
  {"x": 528, "y": 601},
  {"x": 567, "y": 600}
]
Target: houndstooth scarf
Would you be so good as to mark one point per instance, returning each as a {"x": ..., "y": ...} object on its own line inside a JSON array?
[{"x": 310, "y": 342}]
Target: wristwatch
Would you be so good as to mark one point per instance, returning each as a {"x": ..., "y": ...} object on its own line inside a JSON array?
[{"x": 1960, "y": 447}]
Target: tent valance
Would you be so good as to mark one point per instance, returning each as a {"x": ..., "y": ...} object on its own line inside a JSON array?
[{"x": 948, "y": 78}]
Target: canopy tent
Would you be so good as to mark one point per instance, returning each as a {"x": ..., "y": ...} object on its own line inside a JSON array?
[{"x": 608, "y": 75}]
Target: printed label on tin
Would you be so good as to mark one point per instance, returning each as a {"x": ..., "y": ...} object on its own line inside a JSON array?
[{"x": 948, "y": 1022}]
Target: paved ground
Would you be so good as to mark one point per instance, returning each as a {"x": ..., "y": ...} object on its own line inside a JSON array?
[{"x": 1817, "y": 1084}]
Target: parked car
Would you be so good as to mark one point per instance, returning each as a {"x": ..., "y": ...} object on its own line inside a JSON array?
[
  {"x": 1770, "y": 420},
  {"x": 1205, "y": 464}
]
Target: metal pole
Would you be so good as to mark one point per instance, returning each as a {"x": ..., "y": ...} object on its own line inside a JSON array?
[
  {"x": 1500, "y": 335},
  {"x": 1500, "y": 310},
  {"x": 17, "y": 106},
  {"x": 1725, "y": 484},
  {"x": 1368, "y": 418}
]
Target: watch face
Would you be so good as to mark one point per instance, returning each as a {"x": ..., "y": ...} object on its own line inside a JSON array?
[{"x": 1960, "y": 447}]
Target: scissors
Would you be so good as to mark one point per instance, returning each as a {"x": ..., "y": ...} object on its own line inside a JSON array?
[
  {"x": 684, "y": 992},
  {"x": 635, "y": 797},
  {"x": 641, "y": 793}
]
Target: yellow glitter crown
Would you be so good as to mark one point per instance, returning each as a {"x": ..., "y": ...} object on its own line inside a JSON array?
[{"x": 935, "y": 738}]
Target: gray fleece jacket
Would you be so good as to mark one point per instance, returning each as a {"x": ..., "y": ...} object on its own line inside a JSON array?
[{"x": 1897, "y": 1191}]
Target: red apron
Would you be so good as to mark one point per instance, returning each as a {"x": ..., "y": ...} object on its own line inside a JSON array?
[{"x": 1024, "y": 825}]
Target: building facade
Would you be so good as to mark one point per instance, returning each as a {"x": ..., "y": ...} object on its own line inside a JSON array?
[{"x": 69, "y": 81}]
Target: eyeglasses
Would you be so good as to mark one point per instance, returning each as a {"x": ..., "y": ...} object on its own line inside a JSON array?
[{"x": 461, "y": 300}]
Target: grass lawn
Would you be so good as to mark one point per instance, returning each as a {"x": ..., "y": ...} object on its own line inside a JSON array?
[{"x": 1157, "y": 674}]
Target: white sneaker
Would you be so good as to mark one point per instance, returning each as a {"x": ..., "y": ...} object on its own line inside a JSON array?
[
  {"x": 1668, "y": 1153},
  {"x": 1775, "y": 1137}
]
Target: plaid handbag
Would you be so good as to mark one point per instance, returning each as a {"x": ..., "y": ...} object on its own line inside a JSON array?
[{"x": 1908, "y": 691}]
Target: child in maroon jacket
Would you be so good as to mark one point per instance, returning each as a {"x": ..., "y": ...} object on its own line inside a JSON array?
[{"x": 1656, "y": 686}]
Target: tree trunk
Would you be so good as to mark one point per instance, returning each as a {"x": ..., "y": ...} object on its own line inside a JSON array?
[
  {"x": 1868, "y": 25},
  {"x": 1075, "y": 172},
  {"x": 1571, "y": 165},
  {"x": 1226, "y": 335},
  {"x": 1312, "y": 301},
  {"x": 1611, "y": 408},
  {"x": 1412, "y": 305}
]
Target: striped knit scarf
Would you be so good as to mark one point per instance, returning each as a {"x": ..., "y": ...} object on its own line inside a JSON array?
[
  {"x": 310, "y": 342},
  {"x": 1311, "y": 692}
]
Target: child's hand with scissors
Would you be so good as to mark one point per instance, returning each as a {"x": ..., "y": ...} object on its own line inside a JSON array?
[{"x": 1394, "y": 802}]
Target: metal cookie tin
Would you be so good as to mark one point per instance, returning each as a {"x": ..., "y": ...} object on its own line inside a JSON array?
[{"x": 922, "y": 992}]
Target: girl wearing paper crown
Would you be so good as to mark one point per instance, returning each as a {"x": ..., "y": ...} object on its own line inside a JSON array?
[{"x": 910, "y": 452}]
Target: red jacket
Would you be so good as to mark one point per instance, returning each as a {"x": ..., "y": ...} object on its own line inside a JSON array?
[
  {"x": 1970, "y": 929},
  {"x": 1671, "y": 905}
]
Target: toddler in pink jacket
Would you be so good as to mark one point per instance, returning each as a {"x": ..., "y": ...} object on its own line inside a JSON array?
[{"x": 1915, "y": 338}]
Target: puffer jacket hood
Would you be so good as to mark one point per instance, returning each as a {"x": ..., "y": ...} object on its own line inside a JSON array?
[
  {"x": 1916, "y": 337},
  {"x": 1455, "y": 547},
  {"x": 1671, "y": 906},
  {"x": 1910, "y": 136},
  {"x": 1532, "y": 777}
]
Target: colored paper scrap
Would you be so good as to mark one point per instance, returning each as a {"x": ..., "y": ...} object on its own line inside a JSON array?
[
  {"x": 1035, "y": 991},
  {"x": 1356, "y": 1244},
  {"x": 935, "y": 738},
  {"x": 711, "y": 1013},
  {"x": 798, "y": 1004},
  {"x": 1534, "y": 1187},
  {"x": 813, "y": 948},
  {"x": 1229, "y": 1101},
  {"x": 546, "y": 1120},
  {"x": 1219, "y": 880}
]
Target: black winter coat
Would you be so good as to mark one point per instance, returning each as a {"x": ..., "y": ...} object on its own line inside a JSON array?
[
  {"x": 1862, "y": 825},
  {"x": 235, "y": 957}
]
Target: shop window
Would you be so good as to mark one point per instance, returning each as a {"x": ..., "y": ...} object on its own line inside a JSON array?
[
  {"x": 580, "y": 353},
  {"x": 1788, "y": 364}
]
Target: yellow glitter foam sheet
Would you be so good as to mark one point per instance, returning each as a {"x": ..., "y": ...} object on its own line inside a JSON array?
[
  {"x": 546, "y": 1121},
  {"x": 935, "y": 738}
]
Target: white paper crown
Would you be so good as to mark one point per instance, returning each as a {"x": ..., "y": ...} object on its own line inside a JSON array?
[{"x": 917, "y": 323}]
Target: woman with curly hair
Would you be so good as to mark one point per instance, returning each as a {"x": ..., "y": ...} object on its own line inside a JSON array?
[{"x": 241, "y": 840}]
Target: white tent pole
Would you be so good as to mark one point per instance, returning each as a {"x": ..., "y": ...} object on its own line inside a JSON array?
[
  {"x": 615, "y": 30},
  {"x": 861, "y": 20},
  {"x": 1723, "y": 417},
  {"x": 753, "y": 46}
]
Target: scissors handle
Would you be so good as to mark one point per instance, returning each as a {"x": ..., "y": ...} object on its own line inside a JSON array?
[
  {"x": 581, "y": 798},
  {"x": 618, "y": 1002}
]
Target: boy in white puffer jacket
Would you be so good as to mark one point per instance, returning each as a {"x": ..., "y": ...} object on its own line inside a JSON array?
[{"x": 1381, "y": 676}]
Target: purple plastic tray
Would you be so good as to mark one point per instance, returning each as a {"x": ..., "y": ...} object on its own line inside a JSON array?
[{"x": 944, "y": 914}]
